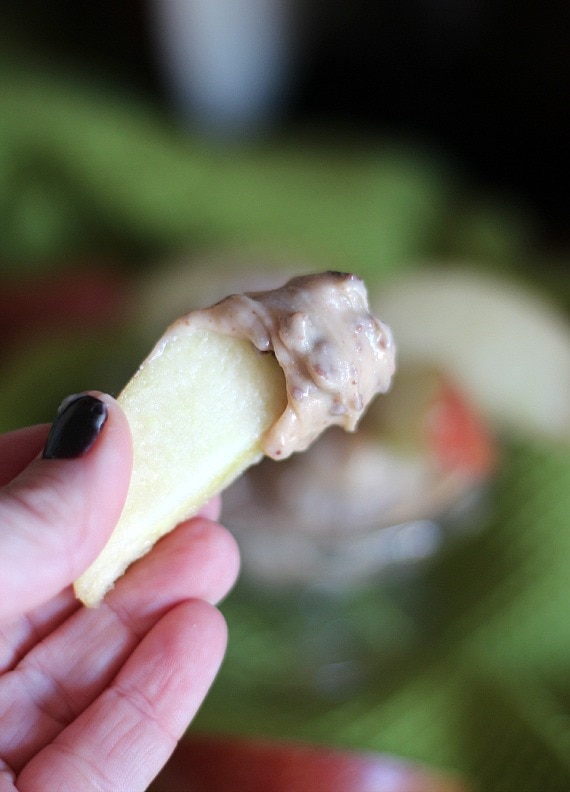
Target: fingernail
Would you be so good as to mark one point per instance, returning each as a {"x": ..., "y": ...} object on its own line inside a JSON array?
[{"x": 77, "y": 425}]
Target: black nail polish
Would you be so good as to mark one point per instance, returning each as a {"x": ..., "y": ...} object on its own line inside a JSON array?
[{"x": 77, "y": 425}]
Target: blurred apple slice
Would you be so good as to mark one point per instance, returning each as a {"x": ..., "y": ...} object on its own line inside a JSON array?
[{"x": 506, "y": 347}]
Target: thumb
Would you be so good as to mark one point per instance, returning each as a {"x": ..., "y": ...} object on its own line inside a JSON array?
[{"x": 58, "y": 513}]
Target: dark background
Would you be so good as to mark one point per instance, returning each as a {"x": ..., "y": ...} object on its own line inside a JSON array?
[{"x": 485, "y": 81}]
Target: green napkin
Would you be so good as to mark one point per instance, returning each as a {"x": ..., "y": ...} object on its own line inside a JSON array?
[
  {"x": 466, "y": 662},
  {"x": 84, "y": 167}
]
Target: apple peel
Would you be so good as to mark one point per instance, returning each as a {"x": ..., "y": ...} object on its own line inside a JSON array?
[{"x": 260, "y": 373}]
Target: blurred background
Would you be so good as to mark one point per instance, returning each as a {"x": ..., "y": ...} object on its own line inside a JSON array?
[{"x": 157, "y": 155}]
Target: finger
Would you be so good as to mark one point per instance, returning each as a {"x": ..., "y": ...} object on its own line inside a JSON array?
[
  {"x": 63, "y": 675},
  {"x": 58, "y": 513},
  {"x": 126, "y": 736},
  {"x": 18, "y": 448},
  {"x": 200, "y": 560},
  {"x": 19, "y": 636},
  {"x": 212, "y": 509}
]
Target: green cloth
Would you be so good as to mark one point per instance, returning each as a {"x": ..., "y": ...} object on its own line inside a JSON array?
[
  {"x": 83, "y": 167},
  {"x": 464, "y": 665},
  {"x": 469, "y": 668}
]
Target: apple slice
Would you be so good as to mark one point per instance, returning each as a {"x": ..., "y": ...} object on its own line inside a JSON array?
[
  {"x": 505, "y": 346},
  {"x": 196, "y": 414},
  {"x": 256, "y": 374}
]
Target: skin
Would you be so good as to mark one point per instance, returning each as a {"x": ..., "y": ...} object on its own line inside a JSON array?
[{"x": 97, "y": 699}]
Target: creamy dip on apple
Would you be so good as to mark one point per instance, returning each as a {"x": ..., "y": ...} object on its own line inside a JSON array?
[{"x": 335, "y": 355}]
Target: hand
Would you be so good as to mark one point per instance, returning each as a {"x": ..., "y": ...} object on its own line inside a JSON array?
[{"x": 97, "y": 698}]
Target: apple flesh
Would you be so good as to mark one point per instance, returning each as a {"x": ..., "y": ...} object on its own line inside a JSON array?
[{"x": 197, "y": 408}]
